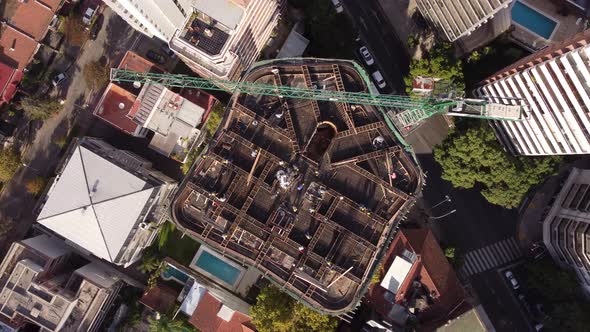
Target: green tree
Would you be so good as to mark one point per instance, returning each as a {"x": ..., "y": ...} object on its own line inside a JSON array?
[
  {"x": 561, "y": 295},
  {"x": 440, "y": 62},
  {"x": 215, "y": 118},
  {"x": 9, "y": 163},
  {"x": 165, "y": 230},
  {"x": 166, "y": 324},
  {"x": 96, "y": 74},
  {"x": 40, "y": 109},
  {"x": 276, "y": 311},
  {"x": 472, "y": 156},
  {"x": 149, "y": 263}
]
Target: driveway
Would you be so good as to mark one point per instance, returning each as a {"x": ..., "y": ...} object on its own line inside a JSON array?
[{"x": 42, "y": 155}]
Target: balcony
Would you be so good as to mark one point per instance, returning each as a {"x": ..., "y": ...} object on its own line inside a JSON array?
[{"x": 205, "y": 33}]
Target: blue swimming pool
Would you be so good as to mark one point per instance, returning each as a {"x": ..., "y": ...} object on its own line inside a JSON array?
[
  {"x": 173, "y": 273},
  {"x": 533, "y": 20},
  {"x": 217, "y": 267}
]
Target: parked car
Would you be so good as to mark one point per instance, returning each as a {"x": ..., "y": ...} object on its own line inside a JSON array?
[
  {"x": 58, "y": 79},
  {"x": 95, "y": 29},
  {"x": 367, "y": 55},
  {"x": 170, "y": 53},
  {"x": 88, "y": 15},
  {"x": 338, "y": 6},
  {"x": 510, "y": 276},
  {"x": 152, "y": 55},
  {"x": 378, "y": 78}
]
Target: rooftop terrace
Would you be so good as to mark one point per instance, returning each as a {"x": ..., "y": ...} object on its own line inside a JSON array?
[{"x": 308, "y": 192}]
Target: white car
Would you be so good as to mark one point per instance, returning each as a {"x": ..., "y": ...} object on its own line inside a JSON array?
[
  {"x": 367, "y": 55},
  {"x": 378, "y": 78},
  {"x": 510, "y": 276},
  {"x": 58, "y": 79},
  {"x": 337, "y": 6},
  {"x": 88, "y": 15}
]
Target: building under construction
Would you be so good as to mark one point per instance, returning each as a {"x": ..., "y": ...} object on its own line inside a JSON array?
[{"x": 308, "y": 192}]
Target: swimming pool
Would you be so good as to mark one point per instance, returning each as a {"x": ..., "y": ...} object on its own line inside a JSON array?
[
  {"x": 173, "y": 273},
  {"x": 217, "y": 267},
  {"x": 532, "y": 20}
]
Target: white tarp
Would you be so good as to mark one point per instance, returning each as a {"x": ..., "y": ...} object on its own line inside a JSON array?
[
  {"x": 192, "y": 299},
  {"x": 396, "y": 274}
]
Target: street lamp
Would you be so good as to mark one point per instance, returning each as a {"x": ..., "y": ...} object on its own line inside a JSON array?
[
  {"x": 447, "y": 199},
  {"x": 444, "y": 215}
]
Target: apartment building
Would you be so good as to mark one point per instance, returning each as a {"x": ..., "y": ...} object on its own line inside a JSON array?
[
  {"x": 454, "y": 19},
  {"x": 566, "y": 227},
  {"x": 217, "y": 39},
  {"x": 105, "y": 202},
  {"x": 44, "y": 283},
  {"x": 553, "y": 85}
]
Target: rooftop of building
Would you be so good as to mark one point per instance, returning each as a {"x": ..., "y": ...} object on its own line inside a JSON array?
[
  {"x": 428, "y": 284},
  {"x": 160, "y": 298},
  {"x": 456, "y": 18},
  {"x": 97, "y": 201},
  {"x": 579, "y": 40},
  {"x": 31, "y": 17},
  {"x": 115, "y": 106},
  {"x": 305, "y": 191},
  {"x": 16, "y": 48},
  {"x": 474, "y": 320},
  {"x": 211, "y": 315},
  {"x": 52, "y": 292},
  {"x": 172, "y": 118}
]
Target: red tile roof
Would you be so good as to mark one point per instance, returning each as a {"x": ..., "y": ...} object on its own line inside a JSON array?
[
  {"x": 33, "y": 17},
  {"x": 16, "y": 48},
  {"x": 160, "y": 298},
  {"x": 432, "y": 269},
  {"x": 132, "y": 61},
  {"x": 205, "y": 318},
  {"x": 114, "y": 106}
]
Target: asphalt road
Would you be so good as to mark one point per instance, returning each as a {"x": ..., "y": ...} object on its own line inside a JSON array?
[
  {"x": 379, "y": 36},
  {"x": 499, "y": 302}
]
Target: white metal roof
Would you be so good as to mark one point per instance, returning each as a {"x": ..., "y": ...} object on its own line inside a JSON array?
[
  {"x": 95, "y": 203},
  {"x": 396, "y": 274}
]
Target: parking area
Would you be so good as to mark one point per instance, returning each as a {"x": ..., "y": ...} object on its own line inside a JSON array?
[{"x": 156, "y": 51}]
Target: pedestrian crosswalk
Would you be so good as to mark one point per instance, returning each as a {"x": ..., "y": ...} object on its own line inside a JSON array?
[{"x": 489, "y": 257}]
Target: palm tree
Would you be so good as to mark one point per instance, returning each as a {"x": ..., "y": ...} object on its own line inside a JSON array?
[{"x": 148, "y": 264}]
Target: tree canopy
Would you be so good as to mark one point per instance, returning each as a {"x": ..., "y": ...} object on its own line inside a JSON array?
[
  {"x": 472, "y": 156},
  {"x": 96, "y": 74},
  {"x": 9, "y": 162},
  {"x": 275, "y": 311},
  {"x": 440, "y": 62},
  {"x": 40, "y": 109},
  {"x": 561, "y": 295}
]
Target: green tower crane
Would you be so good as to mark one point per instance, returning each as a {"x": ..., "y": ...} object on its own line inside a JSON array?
[{"x": 412, "y": 110}]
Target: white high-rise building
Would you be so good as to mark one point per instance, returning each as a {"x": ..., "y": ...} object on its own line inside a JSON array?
[
  {"x": 215, "y": 38},
  {"x": 554, "y": 85}
]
